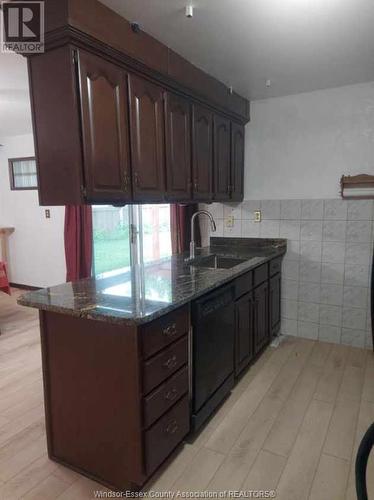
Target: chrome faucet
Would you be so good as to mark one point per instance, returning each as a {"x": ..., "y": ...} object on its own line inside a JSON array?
[{"x": 212, "y": 225}]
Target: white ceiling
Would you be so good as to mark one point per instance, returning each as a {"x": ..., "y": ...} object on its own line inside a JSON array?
[
  {"x": 300, "y": 45},
  {"x": 15, "y": 114}
]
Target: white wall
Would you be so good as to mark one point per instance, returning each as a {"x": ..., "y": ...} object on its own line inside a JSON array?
[
  {"x": 37, "y": 246},
  {"x": 299, "y": 146}
]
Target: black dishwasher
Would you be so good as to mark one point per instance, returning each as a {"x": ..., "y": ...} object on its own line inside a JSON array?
[{"x": 213, "y": 321}]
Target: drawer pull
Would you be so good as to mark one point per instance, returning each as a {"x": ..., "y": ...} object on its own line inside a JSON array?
[
  {"x": 170, "y": 330},
  {"x": 170, "y": 363},
  {"x": 172, "y": 427},
  {"x": 171, "y": 395}
]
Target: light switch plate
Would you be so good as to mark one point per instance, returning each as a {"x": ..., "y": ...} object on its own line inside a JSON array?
[
  {"x": 47, "y": 213},
  {"x": 230, "y": 221},
  {"x": 257, "y": 215}
]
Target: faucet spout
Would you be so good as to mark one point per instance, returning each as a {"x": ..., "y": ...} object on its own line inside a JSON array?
[{"x": 212, "y": 225}]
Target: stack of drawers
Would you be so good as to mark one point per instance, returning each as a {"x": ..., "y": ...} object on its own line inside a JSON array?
[{"x": 166, "y": 412}]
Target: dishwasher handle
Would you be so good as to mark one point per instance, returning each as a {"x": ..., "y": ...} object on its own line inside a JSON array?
[{"x": 212, "y": 302}]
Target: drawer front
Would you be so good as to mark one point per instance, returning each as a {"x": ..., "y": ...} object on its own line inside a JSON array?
[
  {"x": 164, "y": 364},
  {"x": 275, "y": 266},
  {"x": 243, "y": 284},
  {"x": 161, "y": 332},
  {"x": 260, "y": 274},
  {"x": 162, "y": 398},
  {"x": 166, "y": 434}
]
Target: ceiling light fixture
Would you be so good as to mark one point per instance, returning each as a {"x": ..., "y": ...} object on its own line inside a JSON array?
[{"x": 189, "y": 11}]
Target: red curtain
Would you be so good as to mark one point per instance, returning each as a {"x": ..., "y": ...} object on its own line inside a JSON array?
[
  {"x": 78, "y": 242},
  {"x": 180, "y": 222}
]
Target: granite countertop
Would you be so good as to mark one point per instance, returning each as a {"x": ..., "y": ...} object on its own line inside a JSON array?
[{"x": 144, "y": 292}]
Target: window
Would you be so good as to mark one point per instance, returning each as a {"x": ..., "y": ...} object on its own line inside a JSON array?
[
  {"x": 134, "y": 233},
  {"x": 22, "y": 173},
  {"x": 155, "y": 231}
]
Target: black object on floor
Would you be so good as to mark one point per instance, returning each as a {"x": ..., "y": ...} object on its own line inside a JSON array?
[
  {"x": 362, "y": 458},
  {"x": 372, "y": 299}
]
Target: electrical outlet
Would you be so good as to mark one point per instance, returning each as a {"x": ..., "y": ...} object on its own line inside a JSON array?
[
  {"x": 230, "y": 221},
  {"x": 257, "y": 215},
  {"x": 47, "y": 213}
]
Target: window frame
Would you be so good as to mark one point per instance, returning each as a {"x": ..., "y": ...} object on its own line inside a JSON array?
[{"x": 13, "y": 187}]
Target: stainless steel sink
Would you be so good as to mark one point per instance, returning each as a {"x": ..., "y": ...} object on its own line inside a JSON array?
[{"x": 217, "y": 262}]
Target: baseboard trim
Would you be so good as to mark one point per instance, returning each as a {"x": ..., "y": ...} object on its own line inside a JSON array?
[{"x": 24, "y": 287}]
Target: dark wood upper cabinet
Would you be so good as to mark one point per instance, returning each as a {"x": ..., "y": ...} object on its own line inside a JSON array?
[
  {"x": 112, "y": 124},
  {"x": 57, "y": 127},
  {"x": 261, "y": 317},
  {"x": 243, "y": 332},
  {"x": 147, "y": 139},
  {"x": 222, "y": 158},
  {"x": 104, "y": 114},
  {"x": 202, "y": 153},
  {"x": 237, "y": 161},
  {"x": 178, "y": 147}
]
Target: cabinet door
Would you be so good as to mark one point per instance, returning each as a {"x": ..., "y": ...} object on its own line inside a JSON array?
[
  {"x": 261, "y": 317},
  {"x": 275, "y": 303},
  {"x": 104, "y": 112},
  {"x": 244, "y": 332},
  {"x": 222, "y": 158},
  {"x": 202, "y": 153},
  {"x": 237, "y": 161},
  {"x": 147, "y": 139},
  {"x": 178, "y": 148}
]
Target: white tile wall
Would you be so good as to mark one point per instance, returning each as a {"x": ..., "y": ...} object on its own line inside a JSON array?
[{"x": 326, "y": 270}]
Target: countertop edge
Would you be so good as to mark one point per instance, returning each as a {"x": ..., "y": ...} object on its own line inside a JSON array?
[{"x": 99, "y": 316}]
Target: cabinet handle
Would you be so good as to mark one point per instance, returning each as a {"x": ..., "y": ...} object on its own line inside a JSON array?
[
  {"x": 170, "y": 330},
  {"x": 170, "y": 363},
  {"x": 195, "y": 186},
  {"x": 171, "y": 395},
  {"x": 136, "y": 178},
  {"x": 172, "y": 427}
]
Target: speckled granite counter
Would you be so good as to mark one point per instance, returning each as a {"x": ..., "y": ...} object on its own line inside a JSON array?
[{"x": 145, "y": 292}]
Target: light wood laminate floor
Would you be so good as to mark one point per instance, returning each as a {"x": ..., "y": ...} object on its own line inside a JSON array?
[{"x": 292, "y": 424}]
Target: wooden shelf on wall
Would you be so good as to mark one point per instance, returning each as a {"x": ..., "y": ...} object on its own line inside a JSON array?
[{"x": 357, "y": 186}]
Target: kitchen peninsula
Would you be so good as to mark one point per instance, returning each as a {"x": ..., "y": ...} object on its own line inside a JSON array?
[{"x": 132, "y": 361}]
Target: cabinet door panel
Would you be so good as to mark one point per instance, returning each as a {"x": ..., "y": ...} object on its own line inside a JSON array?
[
  {"x": 244, "y": 332},
  {"x": 147, "y": 139},
  {"x": 222, "y": 158},
  {"x": 104, "y": 111},
  {"x": 178, "y": 148},
  {"x": 202, "y": 146},
  {"x": 275, "y": 303},
  {"x": 261, "y": 317},
  {"x": 237, "y": 161}
]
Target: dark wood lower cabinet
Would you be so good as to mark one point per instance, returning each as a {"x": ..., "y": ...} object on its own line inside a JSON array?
[
  {"x": 244, "y": 332},
  {"x": 275, "y": 304},
  {"x": 114, "y": 412},
  {"x": 261, "y": 317},
  {"x": 257, "y": 311},
  {"x": 117, "y": 397}
]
